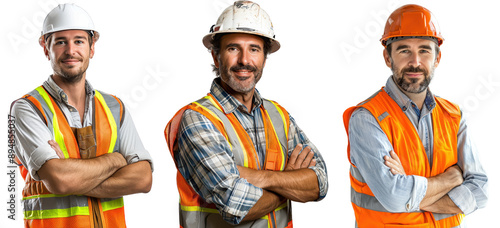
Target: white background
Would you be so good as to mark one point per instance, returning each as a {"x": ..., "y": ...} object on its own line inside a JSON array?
[{"x": 150, "y": 54}]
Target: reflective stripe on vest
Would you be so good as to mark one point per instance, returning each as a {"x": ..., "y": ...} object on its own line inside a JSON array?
[
  {"x": 399, "y": 130},
  {"x": 43, "y": 209},
  {"x": 193, "y": 210}
]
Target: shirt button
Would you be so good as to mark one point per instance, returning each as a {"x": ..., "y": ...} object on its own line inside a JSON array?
[{"x": 404, "y": 108}]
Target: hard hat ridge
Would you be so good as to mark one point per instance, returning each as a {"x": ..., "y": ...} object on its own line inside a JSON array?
[{"x": 243, "y": 17}]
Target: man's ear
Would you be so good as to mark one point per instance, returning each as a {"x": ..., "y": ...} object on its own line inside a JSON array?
[
  {"x": 387, "y": 58},
  {"x": 216, "y": 59},
  {"x": 92, "y": 49},
  {"x": 438, "y": 59},
  {"x": 46, "y": 50}
]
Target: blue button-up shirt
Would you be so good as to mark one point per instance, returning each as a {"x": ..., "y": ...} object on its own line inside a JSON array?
[
  {"x": 399, "y": 193},
  {"x": 206, "y": 162}
]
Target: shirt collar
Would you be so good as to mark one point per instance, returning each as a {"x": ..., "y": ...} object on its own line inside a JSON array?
[
  {"x": 404, "y": 101},
  {"x": 228, "y": 102},
  {"x": 59, "y": 95}
]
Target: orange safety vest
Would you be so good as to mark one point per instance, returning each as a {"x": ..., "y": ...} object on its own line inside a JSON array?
[
  {"x": 44, "y": 209},
  {"x": 194, "y": 211},
  {"x": 409, "y": 148}
]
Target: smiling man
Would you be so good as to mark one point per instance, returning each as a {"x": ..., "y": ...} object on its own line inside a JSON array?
[
  {"x": 241, "y": 159},
  {"x": 77, "y": 148},
  {"x": 412, "y": 160}
]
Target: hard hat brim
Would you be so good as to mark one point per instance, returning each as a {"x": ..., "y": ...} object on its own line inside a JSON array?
[
  {"x": 41, "y": 40},
  {"x": 207, "y": 39},
  {"x": 438, "y": 39}
]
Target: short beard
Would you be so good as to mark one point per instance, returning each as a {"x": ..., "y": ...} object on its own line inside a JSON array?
[
  {"x": 71, "y": 79},
  {"x": 225, "y": 73},
  {"x": 412, "y": 86}
]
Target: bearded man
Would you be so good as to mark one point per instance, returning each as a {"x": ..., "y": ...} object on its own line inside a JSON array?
[{"x": 412, "y": 159}]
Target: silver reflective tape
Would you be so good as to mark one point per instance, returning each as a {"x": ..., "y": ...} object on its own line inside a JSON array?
[{"x": 383, "y": 116}]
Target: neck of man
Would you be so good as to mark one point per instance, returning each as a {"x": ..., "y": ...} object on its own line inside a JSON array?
[{"x": 245, "y": 98}]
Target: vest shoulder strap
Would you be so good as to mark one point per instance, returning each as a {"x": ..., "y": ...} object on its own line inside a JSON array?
[
  {"x": 280, "y": 119},
  {"x": 115, "y": 104},
  {"x": 232, "y": 136}
]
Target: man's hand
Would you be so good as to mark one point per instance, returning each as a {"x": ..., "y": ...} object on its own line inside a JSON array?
[
  {"x": 394, "y": 164},
  {"x": 55, "y": 146},
  {"x": 300, "y": 160},
  {"x": 454, "y": 175}
]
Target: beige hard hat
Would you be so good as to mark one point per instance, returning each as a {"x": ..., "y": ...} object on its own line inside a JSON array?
[
  {"x": 67, "y": 17},
  {"x": 243, "y": 17}
]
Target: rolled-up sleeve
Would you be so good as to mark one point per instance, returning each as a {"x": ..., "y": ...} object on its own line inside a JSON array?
[
  {"x": 472, "y": 194},
  {"x": 131, "y": 144},
  {"x": 297, "y": 136},
  {"x": 368, "y": 146},
  {"x": 206, "y": 162},
  {"x": 31, "y": 138}
]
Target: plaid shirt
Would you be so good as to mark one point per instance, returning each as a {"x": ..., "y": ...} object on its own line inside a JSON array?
[{"x": 205, "y": 159}]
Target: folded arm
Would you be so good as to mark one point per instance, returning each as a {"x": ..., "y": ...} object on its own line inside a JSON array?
[
  {"x": 78, "y": 176},
  {"x": 266, "y": 203},
  {"x": 130, "y": 179},
  {"x": 436, "y": 198},
  {"x": 297, "y": 182},
  {"x": 461, "y": 188}
]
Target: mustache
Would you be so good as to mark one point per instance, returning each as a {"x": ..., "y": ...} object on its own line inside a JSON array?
[
  {"x": 243, "y": 67},
  {"x": 70, "y": 57},
  {"x": 412, "y": 69}
]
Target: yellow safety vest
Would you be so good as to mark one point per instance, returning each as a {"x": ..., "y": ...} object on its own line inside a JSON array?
[{"x": 44, "y": 209}]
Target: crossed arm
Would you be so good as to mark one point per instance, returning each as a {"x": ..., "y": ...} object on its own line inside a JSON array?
[
  {"x": 297, "y": 183},
  {"x": 106, "y": 176},
  {"x": 436, "y": 198},
  {"x": 461, "y": 187},
  {"x": 206, "y": 161}
]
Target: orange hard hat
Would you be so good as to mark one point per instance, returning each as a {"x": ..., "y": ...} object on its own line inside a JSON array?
[{"x": 412, "y": 21}]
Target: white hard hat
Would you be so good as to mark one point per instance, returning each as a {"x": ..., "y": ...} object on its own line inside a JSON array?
[
  {"x": 67, "y": 17},
  {"x": 243, "y": 17}
]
